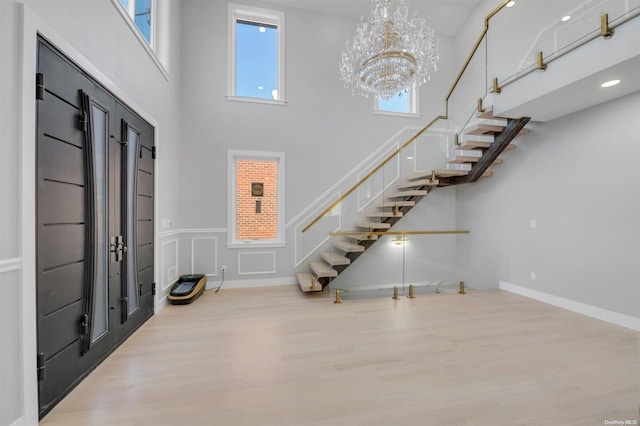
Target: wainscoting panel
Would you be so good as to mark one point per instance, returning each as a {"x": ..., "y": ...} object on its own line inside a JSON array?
[
  {"x": 10, "y": 355},
  {"x": 169, "y": 263},
  {"x": 254, "y": 263},
  {"x": 204, "y": 255}
]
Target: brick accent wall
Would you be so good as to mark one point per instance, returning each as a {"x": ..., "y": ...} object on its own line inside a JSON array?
[{"x": 251, "y": 225}]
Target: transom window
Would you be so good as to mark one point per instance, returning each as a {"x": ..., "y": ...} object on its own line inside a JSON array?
[
  {"x": 140, "y": 12},
  {"x": 256, "y": 55},
  {"x": 149, "y": 21}
]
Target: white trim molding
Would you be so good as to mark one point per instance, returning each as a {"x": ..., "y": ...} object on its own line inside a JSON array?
[
  {"x": 166, "y": 279},
  {"x": 616, "y": 318},
  {"x": 18, "y": 422},
  {"x": 215, "y": 256},
  {"x": 256, "y": 253},
  {"x": 8, "y": 265},
  {"x": 158, "y": 50},
  {"x": 264, "y": 282}
]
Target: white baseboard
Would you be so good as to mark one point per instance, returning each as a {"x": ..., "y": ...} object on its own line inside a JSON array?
[
  {"x": 162, "y": 302},
  {"x": 266, "y": 282},
  {"x": 591, "y": 311},
  {"x": 18, "y": 422}
]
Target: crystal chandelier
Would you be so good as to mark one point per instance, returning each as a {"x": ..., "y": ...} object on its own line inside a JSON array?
[{"x": 389, "y": 52}]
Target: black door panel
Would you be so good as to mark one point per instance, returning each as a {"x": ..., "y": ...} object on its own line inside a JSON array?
[
  {"x": 88, "y": 285},
  {"x": 60, "y": 287}
]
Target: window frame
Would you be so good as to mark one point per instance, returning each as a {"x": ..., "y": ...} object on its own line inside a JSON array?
[
  {"x": 259, "y": 15},
  {"x": 414, "y": 105},
  {"x": 158, "y": 49},
  {"x": 232, "y": 157}
]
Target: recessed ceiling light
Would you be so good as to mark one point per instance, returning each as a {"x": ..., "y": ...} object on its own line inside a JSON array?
[
  {"x": 262, "y": 29},
  {"x": 409, "y": 158},
  {"x": 610, "y": 83},
  {"x": 565, "y": 18},
  {"x": 260, "y": 87},
  {"x": 511, "y": 3}
]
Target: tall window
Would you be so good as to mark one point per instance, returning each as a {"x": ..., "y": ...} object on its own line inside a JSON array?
[
  {"x": 149, "y": 21},
  {"x": 404, "y": 103},
  {"x": 256, "y": 55},
  {"x": 141, "y": 13},
  {"x": 256, "y": 198}
]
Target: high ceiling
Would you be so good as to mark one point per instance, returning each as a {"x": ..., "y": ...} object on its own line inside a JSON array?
[{"x": 444, "y": 16}]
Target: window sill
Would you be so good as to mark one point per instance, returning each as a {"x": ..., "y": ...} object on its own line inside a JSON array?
[
  {"x": 254, "y": 244},
  {"x": 143, "y": 42},
  {"x": 256, "y": 100},
  {"x": 396, "y": 114}
]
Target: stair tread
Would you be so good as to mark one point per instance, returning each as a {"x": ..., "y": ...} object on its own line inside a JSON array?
[
  {"x": 373, "y": 225},
  {"x": 463, "y": 159},
  {"x": 440, "y": 173},
  {"x": 348, "y": 247},
  {"x": 413, "y": 184},
  {"x": 487, "y": 113},
  {"x": 510, "y": 147},
  {"x": 412, "y": 193},
  {"x": 482, "y": 129},
  {"x": 304, "y": 281},
  {"x": 392, "y": 204},
  {"x": 333, "y": 258},
  {"x": 323, "y": 269},
  {"x": 385, "y": 214},
  {"x": 363, "y": 237}
]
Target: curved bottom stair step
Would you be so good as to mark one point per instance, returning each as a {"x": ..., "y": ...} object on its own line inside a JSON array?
[{"x": 308, "y": 282}]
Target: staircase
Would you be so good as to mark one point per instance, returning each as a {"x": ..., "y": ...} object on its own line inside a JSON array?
[{"x": 477, "y": 151}]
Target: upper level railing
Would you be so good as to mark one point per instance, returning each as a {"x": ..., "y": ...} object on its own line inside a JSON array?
[{"x": 513, "y": 43}]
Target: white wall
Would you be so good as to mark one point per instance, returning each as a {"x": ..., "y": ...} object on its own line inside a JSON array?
[
  {"x": 578, "y": 178},
  {"x": 323, "y": 130}
]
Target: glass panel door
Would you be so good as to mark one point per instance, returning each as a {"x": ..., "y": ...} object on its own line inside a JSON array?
[
  {"x": 132, "y": 149},
  {"x": 99, "y": 131}
]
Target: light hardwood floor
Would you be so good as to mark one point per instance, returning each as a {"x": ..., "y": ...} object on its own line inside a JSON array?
[{"x": 273, "y": 356}]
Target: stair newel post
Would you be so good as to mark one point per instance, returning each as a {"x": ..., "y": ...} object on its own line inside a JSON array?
[
  {"x": 433, "y": 181},
  {"x": 411, "y": 295},
  {"x": 395, "y": 292},
  {"x": 496, "y": 88},
  {"x": 480, "y": 108},
  {"x": 313, "y": 283},
  {"x": 338, "y": 300},
  {"x": 462, "y": 288},
  {"x": 456, "y": 137},
  {"x": 541, "y": 65},
  {"x": 605, "y": 31},
  {"x": 396, "y": 209}
]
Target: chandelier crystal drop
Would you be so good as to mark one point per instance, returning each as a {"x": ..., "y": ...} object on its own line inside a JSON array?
[{"x": 389, "y": 52}]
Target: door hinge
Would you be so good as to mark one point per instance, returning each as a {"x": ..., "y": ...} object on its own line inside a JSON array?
[
  {"x": 153, "y": 152},
  {"x": 124, "y": 133},
  {"x": 40, "y": 86},
  {"x": 40, "y": 369},
  {"x": 153, "y": 289},
  {"x": 82, "y": 122}
]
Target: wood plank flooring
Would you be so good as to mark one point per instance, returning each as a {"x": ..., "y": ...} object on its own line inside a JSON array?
[{"x": 274, "y": 356}]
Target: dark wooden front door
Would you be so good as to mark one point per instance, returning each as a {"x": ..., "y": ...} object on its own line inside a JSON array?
[{"x": 94, "y": 224}]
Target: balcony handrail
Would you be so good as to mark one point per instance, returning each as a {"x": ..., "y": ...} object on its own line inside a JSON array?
[{"x": 425, "y": 128}]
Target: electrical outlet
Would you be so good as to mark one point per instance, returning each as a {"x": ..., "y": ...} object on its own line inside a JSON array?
[{"x": 223, "y": 268}]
